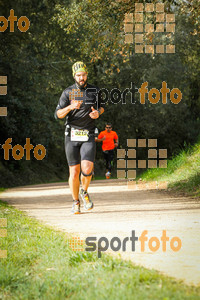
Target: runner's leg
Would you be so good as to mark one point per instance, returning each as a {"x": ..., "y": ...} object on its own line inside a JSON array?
[
  {"x": 72, "y": 150},
  {"x": 74, "y": 183},
  {"x": 106, "y": 157},
  {"x": 87, "y": 152},
  {"x": 86, "y": 167},
  {"x": 110, "y": 159}
]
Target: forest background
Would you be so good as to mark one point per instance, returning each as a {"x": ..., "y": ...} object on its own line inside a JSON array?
[{"x": 38, "y": 65}]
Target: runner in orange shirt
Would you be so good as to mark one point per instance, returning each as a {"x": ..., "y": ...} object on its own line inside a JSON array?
[{"x": 110, "y": 141}]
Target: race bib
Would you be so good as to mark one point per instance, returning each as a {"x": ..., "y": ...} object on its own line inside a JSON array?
[{"x": 79, "y": 135}]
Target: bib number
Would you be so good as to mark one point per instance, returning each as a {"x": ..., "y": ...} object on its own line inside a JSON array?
[{"x": 79, "y": 135}]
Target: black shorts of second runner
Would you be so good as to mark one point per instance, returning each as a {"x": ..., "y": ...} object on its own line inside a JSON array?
[{"x": 78, "y": 151}]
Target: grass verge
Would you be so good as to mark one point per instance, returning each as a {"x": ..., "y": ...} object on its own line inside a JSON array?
[
  {"x": 40, "y": 265},
  {"x": 182, "y": 173}
]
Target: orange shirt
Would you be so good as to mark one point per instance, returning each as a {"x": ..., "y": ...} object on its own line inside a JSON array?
[{"x": 108, "y": 143}]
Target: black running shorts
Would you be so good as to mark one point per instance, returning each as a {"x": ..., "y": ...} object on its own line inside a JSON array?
[{"x": 78, "y": 151}]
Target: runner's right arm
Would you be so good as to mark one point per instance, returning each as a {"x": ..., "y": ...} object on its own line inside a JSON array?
[
  {"x": 100, "y": 138},
  {"x": 64, "y": 106},
  {"x": 61, "y": 113}
]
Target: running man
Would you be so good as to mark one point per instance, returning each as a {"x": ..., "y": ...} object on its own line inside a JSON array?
[
  {"x": 110, "y": 141},
  {"x": 81, "y": 104}
]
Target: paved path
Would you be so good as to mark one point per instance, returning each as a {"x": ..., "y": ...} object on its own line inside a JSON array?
[{"x": 117, "y": 211}]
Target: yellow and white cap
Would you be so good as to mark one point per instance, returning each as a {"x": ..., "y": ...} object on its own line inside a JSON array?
[{"x": 78, "y": 67}]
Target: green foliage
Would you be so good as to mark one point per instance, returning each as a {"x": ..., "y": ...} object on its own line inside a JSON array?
[
  {"x": 182, "y": 173},
  {"x": 38, "y": 65}
]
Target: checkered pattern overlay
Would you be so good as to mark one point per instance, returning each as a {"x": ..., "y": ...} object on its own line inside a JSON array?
[
  {"x": 142, "y": 185},
  {"x": 3, "y": 234},
  {"x": 3, "y": 92},
  {"x": 76, "y": 94},
  {"x": 76, "y": 244},
  {"x": 127, "y": 162},
  {"x": 140, "y": 24}
]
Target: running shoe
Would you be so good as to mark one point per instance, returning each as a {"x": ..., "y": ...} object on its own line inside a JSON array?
[
  {"x": 76, "y": 207},
  {"x": 108, "y": 174},
  {"x": 86, "y": 199}
]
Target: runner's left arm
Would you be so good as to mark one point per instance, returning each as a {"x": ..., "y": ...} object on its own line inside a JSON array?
[
  {"x": 116, "y": 143},
  {"x": 116, "y": 140},
  {"x": 99, "y": 107},
  {"x": 96, "y": 112}
]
